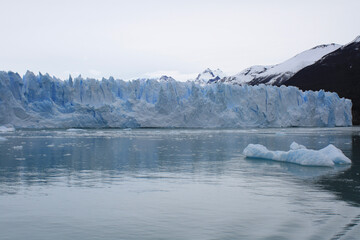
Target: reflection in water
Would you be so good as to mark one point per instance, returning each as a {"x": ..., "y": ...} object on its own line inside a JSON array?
[
  {"x": 347, "y": 228},
  {"x": 346, "y": 184},
  {"x": 48, "y": 157},
  {"x": 176, "y": 183}
]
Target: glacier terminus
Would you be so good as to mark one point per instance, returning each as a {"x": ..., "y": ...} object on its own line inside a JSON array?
[{"x": 42, "y": 101}]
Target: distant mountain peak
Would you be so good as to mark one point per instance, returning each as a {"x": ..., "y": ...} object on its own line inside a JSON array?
[
  {"x": 324, "y": 46},
  {"x": 208, "y": 70},
  {"x": 165, "y": 78},
  {"x": 209, "y": 76},
  {"x": 357, "y": 39}
]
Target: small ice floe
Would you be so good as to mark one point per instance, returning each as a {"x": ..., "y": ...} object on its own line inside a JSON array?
[
  {"x": 51, "y": 145},
  {"x": 67, "y": 154},
  {"x": 18, "y": 147},
  {"x": 7, "y": 129},
  {"x": 20, "y": 159},
  {"x": 299, "y": 154},
  {"x": 2, "y": 139},
  {"x": 75, "y": 130}
]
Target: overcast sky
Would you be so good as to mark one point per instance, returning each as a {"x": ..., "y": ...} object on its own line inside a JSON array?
[{"x": 142, "y": 38}]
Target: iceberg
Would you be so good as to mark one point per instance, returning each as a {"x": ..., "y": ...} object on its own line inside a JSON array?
[
  {"x": 5, "y": 129},
  {"x": 299, "y": 154},
  {"x": 42, "y": 101}
]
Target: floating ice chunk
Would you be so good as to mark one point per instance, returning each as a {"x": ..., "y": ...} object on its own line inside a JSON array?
[
  {"x": 335, "y": 154},
  {"x": 17, "y": 147},
  {"x": 7, "y": 129},
  {"x": 2, "y": 139},
  {"x": 75, "y": 130},
  {"x": 328, "y": 156}
]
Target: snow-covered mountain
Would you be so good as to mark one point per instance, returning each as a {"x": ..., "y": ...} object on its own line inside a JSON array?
[
  {"x": 279, "y": 73},
  {"x": 165, "y": 78},
  {"x": 46, "y": 102},
  {"x": 209, "y": 76},
  {"x": 338, "y": 71}
]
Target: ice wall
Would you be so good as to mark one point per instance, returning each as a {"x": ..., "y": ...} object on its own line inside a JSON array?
[{"x": 46, "y": 102}]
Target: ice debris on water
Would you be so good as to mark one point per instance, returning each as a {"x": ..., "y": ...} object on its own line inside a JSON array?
[
  {"x": 4, "y": 129},
  {"x": 299, "y": 154},
  {"x": 76, "y": 130}
]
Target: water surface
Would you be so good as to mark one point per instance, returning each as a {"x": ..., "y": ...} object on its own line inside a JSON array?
[{"x": 175, "y": 184}]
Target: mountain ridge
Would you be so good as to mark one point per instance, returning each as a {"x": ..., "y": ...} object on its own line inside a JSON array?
[
  {"x": 338, "y": 71},
  {"x": 278, "y": 73}
]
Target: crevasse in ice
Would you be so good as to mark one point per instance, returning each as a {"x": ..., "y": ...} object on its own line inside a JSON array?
[{"x": 46, "y": 102}]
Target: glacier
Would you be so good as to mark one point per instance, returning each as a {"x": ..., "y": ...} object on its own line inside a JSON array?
[
  {"x": 42, "y": 101},
  {"x": 299, "y": 154}
]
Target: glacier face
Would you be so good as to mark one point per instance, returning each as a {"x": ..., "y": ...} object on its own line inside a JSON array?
[{"x": 46, "y": 102}]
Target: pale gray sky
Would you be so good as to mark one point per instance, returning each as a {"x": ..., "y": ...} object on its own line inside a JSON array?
[{"x": 139, "y": 38}]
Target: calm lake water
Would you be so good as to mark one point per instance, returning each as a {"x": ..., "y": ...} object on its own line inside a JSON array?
[{"x": 174, "y": 184}]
